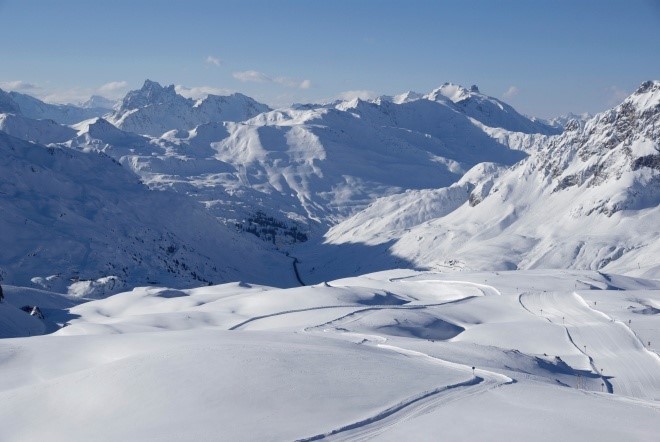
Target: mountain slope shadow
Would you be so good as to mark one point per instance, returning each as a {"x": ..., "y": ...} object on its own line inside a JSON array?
[{"x": 318, "y": 262}]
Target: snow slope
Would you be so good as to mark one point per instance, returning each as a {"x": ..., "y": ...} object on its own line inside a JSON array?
[
  {"x": 397, "y": 355},
  {"x": 70, "y": 216},
  {"x": 39, "y": 131},
  {"x": 589, "y": 199}
]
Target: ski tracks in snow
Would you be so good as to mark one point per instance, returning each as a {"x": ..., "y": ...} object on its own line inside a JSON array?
[
  {"x": 417, "y": 405},
  {"x": 479, "y": 381},
  {"x": 614, "y": 352}
]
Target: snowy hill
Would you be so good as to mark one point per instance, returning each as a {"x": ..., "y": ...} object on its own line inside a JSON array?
[
  {"x": 398, "y": 355},
  {"x": 154, "y": 110},
  {"x": 39, "y": 131},
  {"x": 589, "y": 198},
  {"x": 80, "y": 221}
]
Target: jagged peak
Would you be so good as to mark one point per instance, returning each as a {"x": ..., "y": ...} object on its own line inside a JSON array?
[
  {"x": 150, "y": 93},
  {"x": 646, "y": 97}
]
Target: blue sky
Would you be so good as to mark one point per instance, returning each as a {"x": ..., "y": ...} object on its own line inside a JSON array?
[{"x": 544, "y": 57}]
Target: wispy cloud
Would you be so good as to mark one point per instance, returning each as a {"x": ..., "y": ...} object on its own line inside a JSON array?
[
  {"x": 198, "y": 92},
  {"x": 511, "y": 92},
  {"x": 215, "y": 61},
  {"x": 18, "y": 85},
  {"x": 260, "y": 77},
  {"x": 113, "y": 87},
  {"x": 361, "y": 94},
  {"x": 252, "y": 77}
]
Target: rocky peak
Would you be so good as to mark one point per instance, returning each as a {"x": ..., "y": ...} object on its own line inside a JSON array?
[{"x": 151, "y": 93}]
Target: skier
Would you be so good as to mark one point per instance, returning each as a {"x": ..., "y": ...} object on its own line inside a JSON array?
[{"x": 2, "y": 296}]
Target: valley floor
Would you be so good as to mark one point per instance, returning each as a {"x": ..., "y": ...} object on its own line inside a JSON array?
[{"x": 395, "y": 355}]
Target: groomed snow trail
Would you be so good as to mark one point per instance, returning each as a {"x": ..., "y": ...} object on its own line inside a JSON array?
[
  {"x": 610, "y": 345},
  {"x": 365, "y": 429},
  {"x": 417, "y": 404},
  {"x": 421, "y": 403}
]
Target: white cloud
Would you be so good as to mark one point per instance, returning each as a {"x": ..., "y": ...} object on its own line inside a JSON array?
[
  {"x": 361, "y": 94},
  {"x": 215, "y": 61},
  {"x": 198, "y": 92},
  {"x": 511, "y": 92},
  {"x": 252, "y": 77},
  {"x": 113, "y": 87},
  {"x": 260, "y": 77},
  {"x": 18, "y": 85}
]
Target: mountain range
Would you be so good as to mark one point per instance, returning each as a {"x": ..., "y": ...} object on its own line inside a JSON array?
[{"x": 166, "y": 188}]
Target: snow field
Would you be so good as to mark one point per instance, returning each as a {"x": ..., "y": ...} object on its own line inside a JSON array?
[{"x": 384, "y": 356}]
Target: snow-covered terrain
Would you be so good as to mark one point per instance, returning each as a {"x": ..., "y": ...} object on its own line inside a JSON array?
[
  {"x": 82, "y": 221},
  {"x": 587, "y": 199},
  {"x": 519, "y": 297},
  {"x": 398, "y": 355}
]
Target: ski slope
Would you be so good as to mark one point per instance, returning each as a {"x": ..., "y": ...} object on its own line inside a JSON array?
[{"x": 385, "y": 356}]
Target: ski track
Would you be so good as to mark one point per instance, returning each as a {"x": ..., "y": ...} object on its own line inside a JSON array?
[
  {"x": 615, "y": 353},
  {"x": 417, "y": 404},
  {"x": 484, "y": 288}
]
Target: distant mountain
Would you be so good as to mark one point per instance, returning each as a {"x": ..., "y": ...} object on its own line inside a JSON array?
[
  {"x": 80, "y": 222},
  {"x": 154, "y": 110},
  {"x": 586, "y": 199},
  {"x": 303, "y": 168},
  {"x": 99, "y": 102},
  {"x": 489, "y": 111},
  {"x": 36, "y": 109},
  {"x": 452, "y": 179},
  {"x": 563, "y": 120}
]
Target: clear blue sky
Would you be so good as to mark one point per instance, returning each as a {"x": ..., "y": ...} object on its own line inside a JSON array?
[{"x": 543, "y": 57}]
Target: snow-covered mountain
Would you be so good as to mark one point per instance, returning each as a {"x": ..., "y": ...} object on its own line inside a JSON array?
[
  {"x": 490, "y": 111},
  {"x": 563, "y": 120},
  {"x": 82, "y": 222},
  {"x": 589, "y": 198},
  {"x": 154, "y": 110},
  {"x": 308, "y": 167},
  {"x": 36, "y": 109},
  {"x": 449, "y": 179},
  {"x": 97, "y": 101}
]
